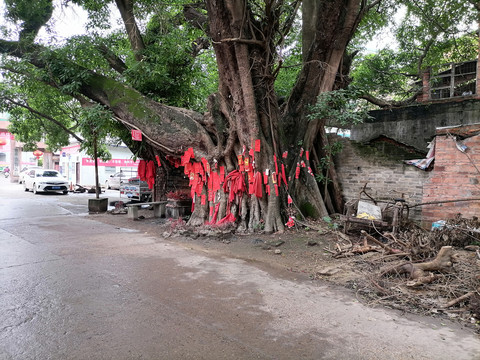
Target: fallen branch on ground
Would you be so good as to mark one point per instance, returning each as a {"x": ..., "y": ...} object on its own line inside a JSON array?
[
  {"x": 460, "y": 299},
  {"x": 386, "y": 247}
]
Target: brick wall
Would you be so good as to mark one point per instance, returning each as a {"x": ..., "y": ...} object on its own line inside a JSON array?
[
  {"x": 387, "y": 178},
  {"x": 455, "y": 176}
]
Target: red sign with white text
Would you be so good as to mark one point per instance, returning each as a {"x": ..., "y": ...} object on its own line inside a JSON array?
[
  {"x": 136, "y": 135},
  {"x": 7, "y": 135},
  {"x": 113, "y": 162}
]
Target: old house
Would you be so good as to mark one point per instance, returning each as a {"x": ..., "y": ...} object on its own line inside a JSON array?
[{"x": 446, "y": 115}]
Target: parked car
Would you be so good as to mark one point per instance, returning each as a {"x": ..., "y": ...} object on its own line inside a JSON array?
[
  {"x": 24, "y": 171},
  {"x": 115, "y": 180},
  {"x": 45, "y": 180}
]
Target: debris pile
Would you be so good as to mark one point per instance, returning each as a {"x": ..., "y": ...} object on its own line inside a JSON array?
[{"x": 430, "y": 272}]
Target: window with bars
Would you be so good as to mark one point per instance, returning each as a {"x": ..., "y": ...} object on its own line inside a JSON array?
[{"x": 453, "y": 80}]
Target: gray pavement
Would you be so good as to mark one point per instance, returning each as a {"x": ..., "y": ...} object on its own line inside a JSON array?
[{"x": 74, "y": 288}]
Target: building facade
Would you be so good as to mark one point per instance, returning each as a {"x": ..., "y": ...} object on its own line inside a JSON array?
[{"x": 79, "y": 168}]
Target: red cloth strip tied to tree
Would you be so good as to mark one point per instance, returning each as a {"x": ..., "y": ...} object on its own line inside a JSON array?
[
  {"x": 257, "y": 184},
  {"x": 142, "y": 170},
  {"x": 234, "y": 185},
  {"x": 150, "y": 174}
]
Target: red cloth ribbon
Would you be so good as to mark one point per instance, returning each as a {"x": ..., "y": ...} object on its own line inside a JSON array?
[
  {"x": 142, "y": 170},
  {"x": 214, "y": 218},
  {"x": 234, "y": 185},
  {"x": 222, "y": 173},
  {"x": 257, "y": 184},
  {"x": 290, "y": 222},
  {"x": 150, "y": 174},
  {"x": 297, "y": 171},
  {"x": 283, "y": 175},
  {"x": 227, "y": 219}
]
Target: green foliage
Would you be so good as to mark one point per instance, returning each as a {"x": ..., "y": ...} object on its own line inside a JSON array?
[
  {"x": 34, "y": 13},
  {"x": 383, "y": 74},
  {"x": 331, "y": 224},
  {"x": 330, "y": 150},
  {"x": 426, "y": 33},
  {"x": 96, "y": 125},
  {"x": 290, "y": 65},
  {"x": 168, "y": 72},
  {"x": 308, "y": 210},
  {"x": 340, "y": 107},
  {"x": 42, "y": 113},
  {"x": 31, "y": 127}
]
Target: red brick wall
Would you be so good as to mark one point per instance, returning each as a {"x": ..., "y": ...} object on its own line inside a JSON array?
[{"x": 454, "y": 177}]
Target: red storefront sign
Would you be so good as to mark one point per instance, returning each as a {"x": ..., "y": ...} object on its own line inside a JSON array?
[
  {"x": 113, "y": 162},
  {"x": 7, "y": 135}
]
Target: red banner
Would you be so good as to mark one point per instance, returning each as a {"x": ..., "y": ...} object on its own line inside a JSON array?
[
  {"x": 136, "y": 135},
  {"x": 113, "y": 162}
]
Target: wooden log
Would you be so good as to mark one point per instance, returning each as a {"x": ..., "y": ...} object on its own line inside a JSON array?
[{"x": 355, "y": 251}]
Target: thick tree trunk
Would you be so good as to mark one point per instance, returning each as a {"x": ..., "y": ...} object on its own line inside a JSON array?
[{"x": 246, "y": 96}]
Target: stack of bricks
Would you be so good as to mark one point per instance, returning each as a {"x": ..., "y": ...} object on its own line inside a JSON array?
[
  {"x": 425, "y": 95},
  {"x": 455, "y": 176}
]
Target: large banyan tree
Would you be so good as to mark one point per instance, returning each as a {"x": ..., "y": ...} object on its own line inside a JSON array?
[{"x": 252, "y": 153}]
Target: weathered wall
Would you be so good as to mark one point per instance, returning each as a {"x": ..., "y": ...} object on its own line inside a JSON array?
[
  {"x": 455, "y": 176},
  {"x": 415, "y": 125},
  {"x": 387, "y": 178}
]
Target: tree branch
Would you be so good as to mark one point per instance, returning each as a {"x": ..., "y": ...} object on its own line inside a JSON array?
[
  {"x": 157, "y": 121},
  {"x": 135, "y": 37},
  {"x": 44, "y": 116},
  {"x": 244, "y": 41},
  {"x": 115, "y": 62},
  {"x": 389, "y": 104},
  {"x": 195, "y": 18}
]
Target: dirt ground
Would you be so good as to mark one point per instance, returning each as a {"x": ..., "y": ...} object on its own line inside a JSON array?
[{"x": 308, "y": 252}]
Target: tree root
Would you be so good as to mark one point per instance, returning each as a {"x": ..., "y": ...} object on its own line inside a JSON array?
[{"x": 442, "y": 262}]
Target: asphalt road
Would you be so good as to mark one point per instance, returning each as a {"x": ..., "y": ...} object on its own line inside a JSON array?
[{"x": 74, "y": 288}]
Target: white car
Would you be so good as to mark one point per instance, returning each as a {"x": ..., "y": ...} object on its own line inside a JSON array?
[
  {"x": 45, "y": 180},
  {"x": 116, "y": 180},
  {"x": 24, "y": 171}
]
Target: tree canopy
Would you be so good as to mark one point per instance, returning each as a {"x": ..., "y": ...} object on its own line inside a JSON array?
[{"x": 220, "y": 77}]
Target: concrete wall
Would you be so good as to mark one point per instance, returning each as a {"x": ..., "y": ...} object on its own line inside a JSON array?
[
  {"x": 416, "y": 125},
  {"x": 455, "y": 176},
  {"x": 387, "y": 178}
]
